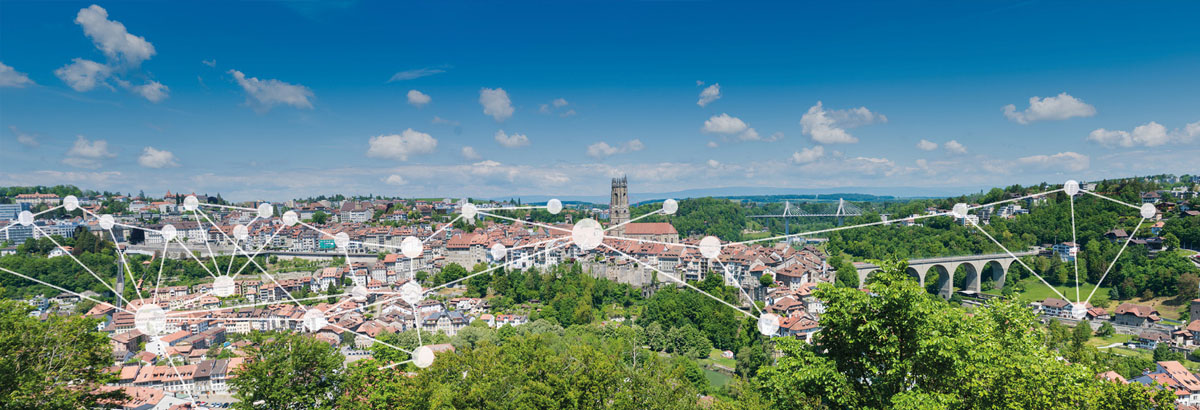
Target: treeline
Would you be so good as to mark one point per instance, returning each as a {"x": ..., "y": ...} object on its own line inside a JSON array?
[
  {"x": 102, "y": 259},
  {"x": 1135, "y": 274},
  {"x": 718, "y": 217}
]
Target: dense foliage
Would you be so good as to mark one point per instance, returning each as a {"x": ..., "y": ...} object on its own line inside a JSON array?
[
  {"x": 718, "y": 217},
  {"x": 288, "y": 371},
  {"x": 897, "y": 347},
  {"x": 59, "y": 363}
]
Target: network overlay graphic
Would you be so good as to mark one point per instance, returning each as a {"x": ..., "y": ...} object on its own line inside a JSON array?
[{"x": 587, "y": 234}]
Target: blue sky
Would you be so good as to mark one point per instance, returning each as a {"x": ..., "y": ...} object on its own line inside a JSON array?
[{"x": 277, "y": 100}]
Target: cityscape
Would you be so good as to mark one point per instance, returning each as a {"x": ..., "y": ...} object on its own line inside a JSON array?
[{"x": 518, "y": 247}]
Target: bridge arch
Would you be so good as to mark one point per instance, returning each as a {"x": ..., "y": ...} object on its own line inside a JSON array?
[{"x": 943, "y": 279}]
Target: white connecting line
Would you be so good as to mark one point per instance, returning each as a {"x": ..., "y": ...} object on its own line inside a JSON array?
[
  {"x": 739, "y": 286},
  {"x": 652, "y": 213},
  {"x": 684, "y": 283}
]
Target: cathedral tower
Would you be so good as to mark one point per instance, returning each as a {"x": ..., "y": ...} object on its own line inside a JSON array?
[{"x": 618, "y": 206}]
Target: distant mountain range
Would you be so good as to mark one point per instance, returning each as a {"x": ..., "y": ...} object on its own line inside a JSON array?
[{"x": 860, "y": 194}]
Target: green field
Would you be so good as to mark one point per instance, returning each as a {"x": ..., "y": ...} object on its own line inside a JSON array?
[
  {"x": 717, "y": 379},
  {"x": 1036, "y": 291},
  {"x": 1105, "y": 341},
  {"x": 715, "y": 357}
]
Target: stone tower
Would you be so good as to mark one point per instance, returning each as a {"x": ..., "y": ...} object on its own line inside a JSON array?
[{"x": 618, "y": 206}]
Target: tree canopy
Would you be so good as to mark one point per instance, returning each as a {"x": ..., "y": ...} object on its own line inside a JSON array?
[{"x": 897, "y": 347}]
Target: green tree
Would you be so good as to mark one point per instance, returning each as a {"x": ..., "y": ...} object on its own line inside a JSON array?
[
  {"x": 289, "y": 371},
  {"x": 320, "y": 217},
  {"x": 1106, "y": 329},
  {"x": 1163, "y": 352},
  {"x": 898, "y": 347},
  {"x": 59, "y": 363},
  {"x": 1170, "y": 241}
]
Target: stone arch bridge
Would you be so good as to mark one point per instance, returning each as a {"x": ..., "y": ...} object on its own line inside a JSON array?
[{"x": 943, "y": 268}]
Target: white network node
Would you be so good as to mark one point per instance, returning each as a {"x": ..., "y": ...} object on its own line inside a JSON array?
[
  {"x": 223, "y": 286},
  {"x": 70, "y": 203},
  {"x": 670, "y": 206},
  {"x": 587, "y": 234}
]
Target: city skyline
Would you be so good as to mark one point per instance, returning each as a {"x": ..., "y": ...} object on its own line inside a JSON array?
[{"x": 286, "y": 100}]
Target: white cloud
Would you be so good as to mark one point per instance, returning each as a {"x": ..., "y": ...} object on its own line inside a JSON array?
[
  {"x": 400, "y": 146},
  {"x": 153, "y": 158},
  {"x": 1150, "y": 134},
  {"x": 90, "y": 149},
  {"x": 729, "y": 125},
  {"x": 724, "y": 124},
  {"x": 710, "y": 94},
  {"x": 469, "y": 153},
  {"x": 111, "y": 38},
  {"x": 210, "y": 63},
  {"x": 495, "y": 103},
  {"x": 83, "y": 75},
  {"x": 264, "y": 94},
  {"x": 554, "y": 106},
  {"x": 10, "y": 77},
  {"x": 1060, "y": 107},
  {"x": 87, "y": 154},
  {"x": 829, "y": 126},
  {"x": 712, "y": 144},
  {"x": 153, "y": 91},
  {"x": 1070, "y": 161},
  {"x": 602, "y": 149},
  {"x": 414, "y": 74},
  {"x": 395, "y": 180},
  {"x": 954, "y": 147},
  {"x": 511, "y": 141},
  {"x": 926, "y": 145},
  {"x": 418, "y": 99},
  {"x": 25, "y": 139},
  {"x": 712, "y": 163},
  {"x": 806, "y": 155}
]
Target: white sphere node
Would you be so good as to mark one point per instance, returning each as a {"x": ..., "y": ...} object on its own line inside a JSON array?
[
  {"x": 359, "y": 293},
  {"x": 710, "y": 247},
  {"x": 554, "y": 206},
  {"x": 240, "y": 232},
  {"x": 411, "y": 247},
  {"x": 169, "y": 232},
  {"x": 25, "y": 218},
  {"x": 341, "y": 240},
  {"x": 768, "y": 324},
  {"x": 290, "y": 218},
  {"x": 151, "y": 320},
  {"x": 469, "y": 210},
  {"x": 107, "y": 221},
  {"x": 223, "y": 286},
  {"x": 70, "y": 203},
  {"x": 499, "y": 251},
  {"x": 314, "y": 320},
  {"x": 960, "y": 210},
  {"x": 670, "y": 206},
  {"x": 411, "y": 293},
  {"x": 423, "y": 357},
  {"x": 1148, "y": 210},
  {"x": 587, "y": 234},
  {"x": 157, "y": 346},
  {"x": 265, "y": 210},
  {"x": 1071, "y": 187},
  {"x": 191, "y": 203}
]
